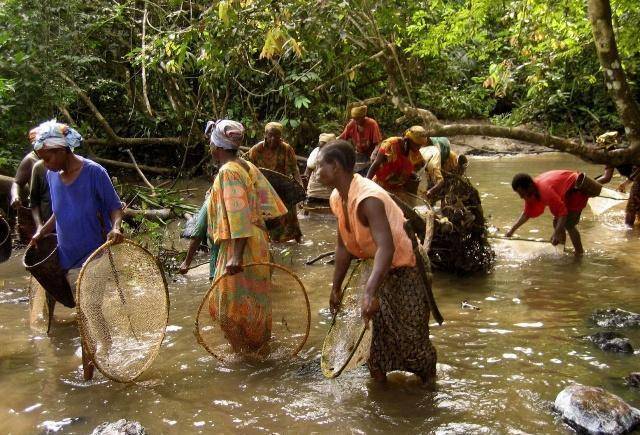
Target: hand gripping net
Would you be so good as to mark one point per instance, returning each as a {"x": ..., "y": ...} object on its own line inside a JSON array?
[
  {"x": 348, "y": 342},
  {"x": 123, "y": 309},
  {"x": 261, "y": 313}
]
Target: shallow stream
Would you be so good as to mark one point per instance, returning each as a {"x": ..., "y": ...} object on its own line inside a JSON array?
[{"x": 499, "y": 368}]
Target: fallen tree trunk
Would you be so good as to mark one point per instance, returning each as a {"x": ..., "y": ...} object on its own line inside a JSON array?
[
  {"x": 153, "y": 214},
  {"x": 127, "y": 165},
  {"x": 615, "y": 79},
  {"x": 604, "y": 37}
]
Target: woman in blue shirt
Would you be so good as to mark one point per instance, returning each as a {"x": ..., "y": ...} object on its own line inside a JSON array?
[{"x": 84, "y": 202}]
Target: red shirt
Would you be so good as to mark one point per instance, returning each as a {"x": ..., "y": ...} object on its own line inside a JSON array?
[
  {"x": 364, "y": 140},
  {"x": 555, "y": 190},
  {"x": 397, "y": 169}
]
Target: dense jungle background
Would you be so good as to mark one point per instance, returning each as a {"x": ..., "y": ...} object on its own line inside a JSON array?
[{"x": 146, "y": 75}]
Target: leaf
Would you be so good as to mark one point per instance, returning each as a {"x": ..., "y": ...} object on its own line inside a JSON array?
[
  {"x": 301, "y": 101},
  {"x": 295, "y": 46},
  {"x": 223, "y": 11},
  {"x": 294, "y": 123}
]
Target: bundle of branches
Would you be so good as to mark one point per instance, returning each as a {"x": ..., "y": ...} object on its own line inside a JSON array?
[
  {"x": 156, "y": 204},
  {"x": 149, "y": 211},
  {"x": 460, "y": 244}
]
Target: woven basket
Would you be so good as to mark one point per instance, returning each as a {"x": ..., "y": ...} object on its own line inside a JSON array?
[{"x": 42, "y": 262}]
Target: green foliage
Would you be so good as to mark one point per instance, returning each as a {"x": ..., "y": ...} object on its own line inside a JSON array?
[{"x": 258, "y": 60}]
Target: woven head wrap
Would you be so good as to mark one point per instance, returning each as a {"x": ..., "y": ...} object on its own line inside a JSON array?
[
  {"x": 52, "y": 135},
  {"x": 417, "y": 135},
  {"x": 225, "y": 133},
  {"x": 325, "y": 138},
  {"x": 359, "y": 112},
  {"x": 275, "y": 126}
]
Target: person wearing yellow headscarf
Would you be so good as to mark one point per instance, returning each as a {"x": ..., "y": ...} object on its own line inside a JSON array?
[
  {"x": 364, "y": 134},
  {"x": 275, "y": 154},
  {"x": 398, "y": 159}
]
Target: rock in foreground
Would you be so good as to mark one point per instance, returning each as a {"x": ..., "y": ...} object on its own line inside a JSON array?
[
  {"x": 615, "y": 318},
  {"x": 120, "y": 427},
  {"x": 596, "y": 411},
  {"x": 611, "y": 342}
]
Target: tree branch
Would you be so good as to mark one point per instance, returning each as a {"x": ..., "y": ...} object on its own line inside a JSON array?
[{"x": 614, "y": 75}]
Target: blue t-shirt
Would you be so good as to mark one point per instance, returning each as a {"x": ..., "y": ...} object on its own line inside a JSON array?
[{"x": 82, "y": 209}]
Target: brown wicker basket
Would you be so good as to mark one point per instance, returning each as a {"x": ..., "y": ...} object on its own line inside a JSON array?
[{"x": 42, "y": 261}]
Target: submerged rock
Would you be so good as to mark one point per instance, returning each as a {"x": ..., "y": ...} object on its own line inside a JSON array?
[
  {"x": 633, "y": 380},
  {"x": 615, "y": 318},
  {"x": 596, "y": 411},
  {"x": 611, "y": 342},
  {"x": 120, "y": 427}
]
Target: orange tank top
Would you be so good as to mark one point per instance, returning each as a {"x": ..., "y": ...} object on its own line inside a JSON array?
[{"x": 359, "y": 241}]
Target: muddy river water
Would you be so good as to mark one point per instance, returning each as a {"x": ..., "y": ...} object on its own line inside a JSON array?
[{"x": 499, "y": 368}]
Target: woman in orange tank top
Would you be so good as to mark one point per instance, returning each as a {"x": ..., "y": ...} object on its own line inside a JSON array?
[{"x": 371, "y": 226}]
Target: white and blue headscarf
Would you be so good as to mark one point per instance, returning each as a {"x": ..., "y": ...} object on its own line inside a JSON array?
[
  {"x": 52, "y": 134},
  {"x": 225, "y": 133}
]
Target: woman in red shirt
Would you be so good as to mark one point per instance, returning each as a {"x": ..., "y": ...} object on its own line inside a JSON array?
[
  {"x": 364, "y": 134},
  {"x": 556, "y": 190},
  {"x": 398, "y": 159}
]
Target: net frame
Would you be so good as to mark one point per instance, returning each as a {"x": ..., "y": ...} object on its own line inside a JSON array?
[
  {"x": 205, "y": 302},
  {"x": 323, "y": 363},
  {"x": 81, "y": 316}
]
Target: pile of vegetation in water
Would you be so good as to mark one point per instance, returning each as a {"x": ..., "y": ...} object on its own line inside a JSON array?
[
  {"x": 460, "y": 241},
  {"x": 147, "y": 215}
]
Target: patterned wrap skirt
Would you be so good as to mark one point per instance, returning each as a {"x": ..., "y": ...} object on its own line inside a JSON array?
[{"x": 401, "y": 327}]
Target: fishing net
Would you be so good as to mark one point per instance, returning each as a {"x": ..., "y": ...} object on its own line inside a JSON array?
[
  {"x": 123, "y": 309},
  {"x": 348, "y": 342},
  {"x": 460, "y": 243},
  {"x": 522, "y": 250},
  {"x": 608, "y": 199},
  {"x": 261, "y": 313}
]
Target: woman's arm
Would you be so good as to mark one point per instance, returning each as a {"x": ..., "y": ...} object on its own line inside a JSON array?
[
  {"x": 22, "y": 178},
  {"x": 380, "y": 159},
  {"x": 234, "y": 264},
  {"x": 194, "y": 244},
  {"x": 342, "y": 262},
  {"x": 521, "y": 220},
  {"x": 115, "y": 234},
  {"x": 375, "y": 216},
  {"x": 606, "y": 177},
  {"x": 45, "y": 229}
]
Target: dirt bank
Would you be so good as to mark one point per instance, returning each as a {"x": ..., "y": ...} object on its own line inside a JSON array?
[{"x": 487, "y": 146}]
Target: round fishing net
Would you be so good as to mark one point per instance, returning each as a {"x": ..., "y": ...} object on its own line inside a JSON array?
[
  {"x": 608, "y": 199},
  {"x": 260, "y": 313},
  {"x": 123, "y": 309},
  {"x": 348, "y": 342}
]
